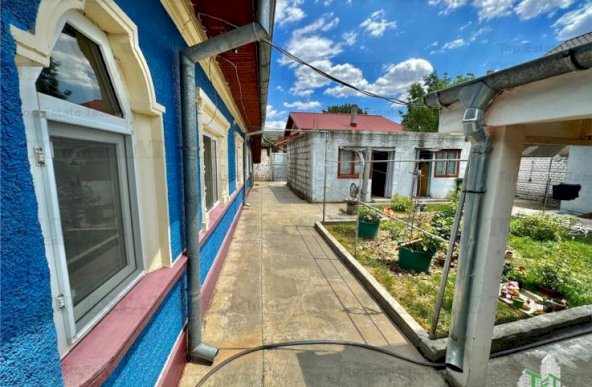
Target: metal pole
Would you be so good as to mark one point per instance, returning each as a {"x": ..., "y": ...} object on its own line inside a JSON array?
[
  {"x": 446, "y": 268},
  {"x": 367, "y": 162},
  {"x": 357, "y": 230},
  {"x": 325, "y": 178}
]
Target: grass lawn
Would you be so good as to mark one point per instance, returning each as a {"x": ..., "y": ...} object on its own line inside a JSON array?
[
  {"x": 570, "y": 258},
  {"x": 415, "y": 292}
]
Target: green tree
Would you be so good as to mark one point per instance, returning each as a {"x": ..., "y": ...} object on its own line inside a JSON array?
[
  {"x": 418, "y": 117},
  {"x": 343, "y": 108}
]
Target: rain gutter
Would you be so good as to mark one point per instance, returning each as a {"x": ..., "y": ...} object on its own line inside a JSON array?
[{"x": 257, "y": 31}]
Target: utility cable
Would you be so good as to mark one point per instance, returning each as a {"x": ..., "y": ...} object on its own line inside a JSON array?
[{"x": 318, "y": 342}]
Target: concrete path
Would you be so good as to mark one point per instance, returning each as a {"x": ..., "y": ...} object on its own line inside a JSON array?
[{"x": 282, "y": 282}]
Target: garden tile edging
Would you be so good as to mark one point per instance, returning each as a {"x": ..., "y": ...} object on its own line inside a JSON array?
[{"x": 505, "y": 336}]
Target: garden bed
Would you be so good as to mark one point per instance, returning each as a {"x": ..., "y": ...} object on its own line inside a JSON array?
[{"x": 409, "y": 298}]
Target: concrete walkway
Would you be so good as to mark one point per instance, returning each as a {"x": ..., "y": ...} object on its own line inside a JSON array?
[{"x": 282, "y": 282}]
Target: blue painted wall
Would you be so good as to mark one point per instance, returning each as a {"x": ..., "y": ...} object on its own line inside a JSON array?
[
  {"x": 143, "y": 363},
  {"x": 28, "y": 352}
]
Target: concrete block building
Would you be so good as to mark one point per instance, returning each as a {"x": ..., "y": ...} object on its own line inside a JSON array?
[
  {"x": 403, "y": 163},
  {"x": 116, "y": 159}
]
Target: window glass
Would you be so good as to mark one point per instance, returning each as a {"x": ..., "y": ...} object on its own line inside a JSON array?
[
  {"x": 77, "y": 74},
  {"x": 345, "y": 167},
  {"x": 91, "y": 211},
  {"x": 452, "y": 165},
  {"x": 211, "y": 178}
]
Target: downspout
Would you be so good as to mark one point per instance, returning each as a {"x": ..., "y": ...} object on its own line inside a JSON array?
[
  {"x": 254, "y": 32},
  {"x": 476, "y": 97}
]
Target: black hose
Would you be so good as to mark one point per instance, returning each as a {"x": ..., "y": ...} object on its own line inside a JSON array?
[{"x": 317, "y": 342}]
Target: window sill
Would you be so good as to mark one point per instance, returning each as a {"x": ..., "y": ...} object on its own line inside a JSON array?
[
  {"x": 95, "y": 357},
  {"x": 217, "y": 213}
]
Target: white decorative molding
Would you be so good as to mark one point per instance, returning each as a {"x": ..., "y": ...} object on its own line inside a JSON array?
[{"x": 192, "y": 31}]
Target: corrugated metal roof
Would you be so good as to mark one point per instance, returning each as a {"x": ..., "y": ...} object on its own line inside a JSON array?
[
  {"x": 545, "y": 150},
  {"x": 342, "y": 121},
  {"x": 573, "y": 42}
]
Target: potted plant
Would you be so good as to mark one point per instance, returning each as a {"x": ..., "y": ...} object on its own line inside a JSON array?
[
  {"x": 368, "y": 222},
  {"x": 549, "y": 281},
  {"x": 418, "y": 255}
]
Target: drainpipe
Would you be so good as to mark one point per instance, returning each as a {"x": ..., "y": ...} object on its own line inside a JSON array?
[
  {"x": 476, "y": 97},
  {"x": 254, "y": 32}
]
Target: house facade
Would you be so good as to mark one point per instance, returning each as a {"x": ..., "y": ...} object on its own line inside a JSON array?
[
  {"x": 95, "y": 285},
  {"x": 402, "y": 163}
]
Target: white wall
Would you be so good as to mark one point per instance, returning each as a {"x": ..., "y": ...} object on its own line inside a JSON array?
[
  {"x": 579, "y": 171},
  {"x": 404, "y": 144}
]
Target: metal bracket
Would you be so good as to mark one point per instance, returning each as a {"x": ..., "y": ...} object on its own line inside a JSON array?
[{"x": 61, "y": 302}]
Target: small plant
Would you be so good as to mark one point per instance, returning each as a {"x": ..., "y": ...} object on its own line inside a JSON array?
[
  {"x": 541, "y": 227},
  {"x": 401, "y": 203},
  {"x": 442, "y": 223},
  {"x": 549, "y": 277},
  {"x": 426, "y": 242},
  {"x": 369, "y": 215},
  {"x": 395, "y": 230}
]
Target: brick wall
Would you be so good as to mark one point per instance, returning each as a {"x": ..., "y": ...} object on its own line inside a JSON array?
[
  {"x": 533, "y": 174},
  {"x": 262, "y": 171},
  {"x": 299, "y": 165}
]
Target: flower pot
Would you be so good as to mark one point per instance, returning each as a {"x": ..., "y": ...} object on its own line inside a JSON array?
[
  {"x": 518, "y": 302},
  {"x": 367, "y": 230},
  {"x": 418, "y": 261},
  {"x": 549, "y": 292}
]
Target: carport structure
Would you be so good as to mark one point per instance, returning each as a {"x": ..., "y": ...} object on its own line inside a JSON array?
[{"x": 545, "y": 101}]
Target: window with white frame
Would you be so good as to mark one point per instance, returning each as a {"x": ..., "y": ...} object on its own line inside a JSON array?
[
  {"x": 86, "y": 153},
  {"x": 213, "y": 129},
  {"x": 239, "y": 158},
  {"x": 210, "y": 171}
]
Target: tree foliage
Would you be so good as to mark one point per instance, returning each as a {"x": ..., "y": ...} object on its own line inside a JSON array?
[
  {"x": 419, "y": 118},
  {"x": 343, "y": 108}
]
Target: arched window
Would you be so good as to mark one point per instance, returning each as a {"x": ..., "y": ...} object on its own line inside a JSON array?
[{"x": 84, "y": 124}]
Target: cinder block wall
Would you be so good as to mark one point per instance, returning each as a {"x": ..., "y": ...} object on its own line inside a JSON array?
[
  {"x": 300, "y": 152},
  {"x": 262, "y": 171},
  {"x": 579, "y": 172},
  {"x": 533, "y": 174}
]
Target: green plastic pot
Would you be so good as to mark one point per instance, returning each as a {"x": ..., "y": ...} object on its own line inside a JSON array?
[
  {"x": 419, "y": 261},
  {"x": 367, "y": 230}
]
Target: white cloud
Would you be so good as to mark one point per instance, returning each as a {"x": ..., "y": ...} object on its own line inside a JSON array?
[
  {"x": 275, "y": 124},
  {"x": 377, "y": 24},
  {"x": 279, "y": 88},
  {"x": 300, "y": 105},
  {"x": 350, "y": 74},
  {"x": 456, "y": 43},
  {"x": 528, "y": 9},
  {"x": 574, "y": 23},
  {"x": 307, "y": 80},
  {"x": 273, "y": 113},
  {"x": 479, "y": 32},
  {"x": 288, "y": 11},
  {"x": 349, "y": 38},
  {"x": 465, "y": 26},
  {"x": 398, "y": 77}
]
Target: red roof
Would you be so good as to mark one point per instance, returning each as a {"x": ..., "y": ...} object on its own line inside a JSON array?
[{"x": 341, "y": 121}]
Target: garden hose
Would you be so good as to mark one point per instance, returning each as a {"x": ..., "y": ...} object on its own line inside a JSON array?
[{"x": 317, "y": 342}]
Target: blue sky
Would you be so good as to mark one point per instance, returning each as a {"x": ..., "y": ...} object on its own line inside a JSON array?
[{"x": 384, "y": 46}]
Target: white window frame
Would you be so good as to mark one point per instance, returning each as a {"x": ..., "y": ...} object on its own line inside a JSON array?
[
  {"x": 44, "y": 113},
  {"x": 216, "y": 171},
  {"x": 239, "y": 159},
  {"x": 211, "y": 122}
]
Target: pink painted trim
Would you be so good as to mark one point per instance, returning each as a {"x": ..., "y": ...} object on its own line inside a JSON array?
[
  {"x": 216, "y": 215},
  {"x": 173, "y": 369},
  {"x": 92, "y": 361},
  {"x": 207, "y": 289}
]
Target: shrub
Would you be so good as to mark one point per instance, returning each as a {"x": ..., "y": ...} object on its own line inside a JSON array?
[
  {"x": 427, "y": 243},
  {"x": 401, "y": 203},
  {"x": 395, "y": 230},
  {"x": 442, "y": 223},
  {"x": 541, "y": 227},
  {"x": 369, "y": 215}
]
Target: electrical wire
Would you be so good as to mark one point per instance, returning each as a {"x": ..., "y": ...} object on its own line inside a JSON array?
[
  {"x": 321, "y": 72},
  {"x": 318, "y": 342}
]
